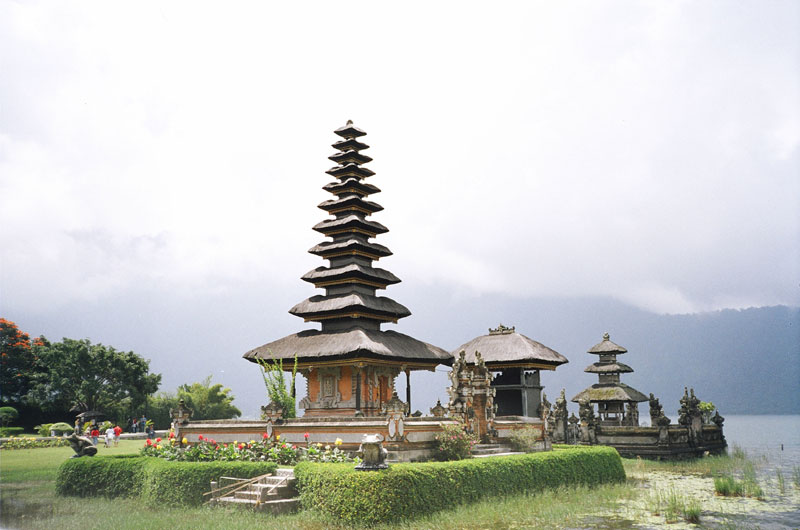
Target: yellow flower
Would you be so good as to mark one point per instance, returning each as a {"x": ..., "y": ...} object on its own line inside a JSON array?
[
  {"x": 158, "y": 447},
  {"x": 277, "y": 437},
  {"x": 236, "y": 442},
  {"x": 338, "y": 441},
  {"x": 184, "y": 441}
]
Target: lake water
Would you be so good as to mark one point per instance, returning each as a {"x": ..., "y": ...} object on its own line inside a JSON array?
[{"x": 771, "y": 442}]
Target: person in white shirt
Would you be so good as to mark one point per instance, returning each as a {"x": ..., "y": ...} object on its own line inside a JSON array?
[{"x": 109, "y": 436}]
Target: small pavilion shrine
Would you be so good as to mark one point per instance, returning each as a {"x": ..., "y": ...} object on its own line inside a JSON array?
[
  {"x": 617, "y": 403},
  {"x": 350, "y": 364},
  {"x": 514, "y": 361}
]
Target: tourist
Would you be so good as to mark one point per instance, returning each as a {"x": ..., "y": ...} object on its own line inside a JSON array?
[
  {"x": 117, "y": 433},
  {"x": 95, "y": 434},
  {"x": 109, "y": 436},
  {"x": 143, "y": 424},
  {"x": 135, "y": 425}
]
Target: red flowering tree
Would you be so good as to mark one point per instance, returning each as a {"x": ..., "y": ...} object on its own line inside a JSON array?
[{"x": 18, "y": 361}]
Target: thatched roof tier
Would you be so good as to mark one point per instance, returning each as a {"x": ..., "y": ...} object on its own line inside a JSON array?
[
  {"x": 350, "y": 144},
  {"x": 350, "y": 170},
  {"x": 349, "y": 130},
  {"x": 608, "y": 368},
  {"x": 353, "y": 305},
  {"x": 351, "y": 185},
  {"x": 354, "y": 246},
  {"x": 350, "y": 203},
  {"x": 352, "y": 273},
  {"x": 508, "y": 348},
  {"x": 347, "y": 157},
  {"x": 315, "y": 346},
  {"x": 350, "y": 223},
  {"x": 606, "y": 347},
  {"x": 610, "y": 392}
]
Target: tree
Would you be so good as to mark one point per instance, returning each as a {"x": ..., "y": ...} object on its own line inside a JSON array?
[
  {"x": 209, "y": 402},
  {"x": 18, "y": 362},
  {"x": 158, "y": 408},
  {"x": 88, "y": 376},
  {"x": 8, "y": 415},
  {"x": 276, "y": 385}
]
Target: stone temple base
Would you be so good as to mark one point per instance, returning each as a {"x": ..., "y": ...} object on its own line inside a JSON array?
[
  {"x": 408, "y": 439},
  {"x": 666, "y": 443}
]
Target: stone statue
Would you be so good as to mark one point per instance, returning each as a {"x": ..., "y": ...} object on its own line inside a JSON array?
[
  {"x": 656, "y": 410},
  {"x": 81, "y": 445},
  {"x": 544, "y": 407},
  {"x": 683, "y": 412},
  {"x": 373, "y": 454},
  {"x": 588, "y": 421},
  {"x": 717, "y": 419},
  {"x": 438, "y": 411},
  {"x": 632, "y": 413}
]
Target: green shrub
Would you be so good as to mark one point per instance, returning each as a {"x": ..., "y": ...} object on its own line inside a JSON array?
[
  {"x": 409, "y": 490},
  {"x": 453, "y": 443},
  {"x": 11, "y": 431},
  {"x": 43, "y": 429},
  {"x": 156, "y": 480},
  {"x": 526, "y": 439},
  {"x": 8, "y": 415},
  {"x": 101, "y": 476},
  {"x": 61, "y": 428}
]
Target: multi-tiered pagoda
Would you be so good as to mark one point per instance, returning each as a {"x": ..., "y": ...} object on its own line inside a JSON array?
[
  {"x": 350, "y": 363},
  {"x": 617, "y": 403}
]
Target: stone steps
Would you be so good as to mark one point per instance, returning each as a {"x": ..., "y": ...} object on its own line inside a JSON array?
[
  {"x": 479, "y": 450},
  {"x": 275, "y": 494}
]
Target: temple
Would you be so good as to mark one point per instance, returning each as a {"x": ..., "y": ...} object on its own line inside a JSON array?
[
  {"x": 350, "y": 364},
  {"x": 617, "y": 403},
  {"x": 514, "y": 361}
]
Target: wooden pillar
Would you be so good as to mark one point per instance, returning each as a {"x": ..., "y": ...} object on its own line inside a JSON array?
[
  {"x": 357, "y": 370},
  {"x": 408, "y": 391}
]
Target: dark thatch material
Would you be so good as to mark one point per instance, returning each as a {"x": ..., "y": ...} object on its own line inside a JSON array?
[
  {"x": 608, "y": 368},
  {"x": 321, "y": 305},
  {"x": 606, "y": 347},
  {"x": 349, "y": 131},
  {"x": 354, "y": 342},
  {"x": 354, "y": 270},
  {"x": 351, "y": 185},
  {"x": 332, "y": 247},
  {"x": 610, "y": 392},
  {"x": 350, "y": 201},
  {"x": 350, "y": 145},
  {"x": 348, "y": 222},
  {"x": 350, "y": 156},
  {"x": 509, "y": 347},
  {"x": 350, "y": 170}
]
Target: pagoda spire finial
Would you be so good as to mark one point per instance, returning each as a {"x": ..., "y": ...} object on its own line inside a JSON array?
[{"x": 606, "y": 336}]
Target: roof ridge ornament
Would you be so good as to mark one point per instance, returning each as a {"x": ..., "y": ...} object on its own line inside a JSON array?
[
  {"x": 501, "y": 330},
  {"x": 606, "y": 336}
]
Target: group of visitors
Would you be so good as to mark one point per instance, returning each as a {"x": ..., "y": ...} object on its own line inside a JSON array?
[
  {"x": 112, "y": 435},
  {"x": 141, "y": 425}
]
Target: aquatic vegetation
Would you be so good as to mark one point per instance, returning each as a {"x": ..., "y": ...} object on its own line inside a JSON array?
[
  {"x": 673, "y": 506},
  {"x": 781, "y": 481},
  {"x": 796, "y": 476},
  {"x": 692, "y": 511},
  {"x": 729, "y": 486}
]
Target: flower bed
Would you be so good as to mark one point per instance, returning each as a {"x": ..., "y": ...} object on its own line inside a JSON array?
[
  {"x": 30, "y": 442},
  {"x": 266, "y": 450},
  {"x": 409, "y": 490}
]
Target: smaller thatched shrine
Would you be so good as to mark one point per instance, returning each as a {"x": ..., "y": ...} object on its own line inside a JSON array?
[
  {"x": 515, "y": 362},
  {"x": 617, "y": 403}
]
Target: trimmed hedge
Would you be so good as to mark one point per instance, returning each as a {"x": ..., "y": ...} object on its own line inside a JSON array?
[
  {"x": 156, "y": 480},
  {"x": 11, "y": 431},
  {"x": 408, "y": 490}
]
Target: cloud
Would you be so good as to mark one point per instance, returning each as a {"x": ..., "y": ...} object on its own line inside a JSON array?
[{"x": 647, "y": 152}]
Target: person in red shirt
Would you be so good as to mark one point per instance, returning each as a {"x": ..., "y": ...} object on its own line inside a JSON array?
[
  {"x": 117, "y": 432},
  {"x": 95, "y": 434}
]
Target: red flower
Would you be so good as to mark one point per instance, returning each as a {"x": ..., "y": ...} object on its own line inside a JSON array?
[
  {"x": 149, "y": 442},
  {"x": 265, "y": 436},
  {"x": 294, "y": 447},
  {"x": 199, "y": 436},
  {"x": 241, "y": 446},
  {"x": 158, "y": 440},
  {"x": 172, "y": 434},
  {"x": 305, "y": 436}
]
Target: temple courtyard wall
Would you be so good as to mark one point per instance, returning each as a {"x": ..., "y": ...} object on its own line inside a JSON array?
[
  {"x": 668, "y": 443},
  {"x": 409, "y": 439}
]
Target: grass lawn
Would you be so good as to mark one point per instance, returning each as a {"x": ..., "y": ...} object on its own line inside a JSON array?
[{"x": 28, "y": 500}]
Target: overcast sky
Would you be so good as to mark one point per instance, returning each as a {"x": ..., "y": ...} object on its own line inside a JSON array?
[{"x": 161, "y": 151}]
